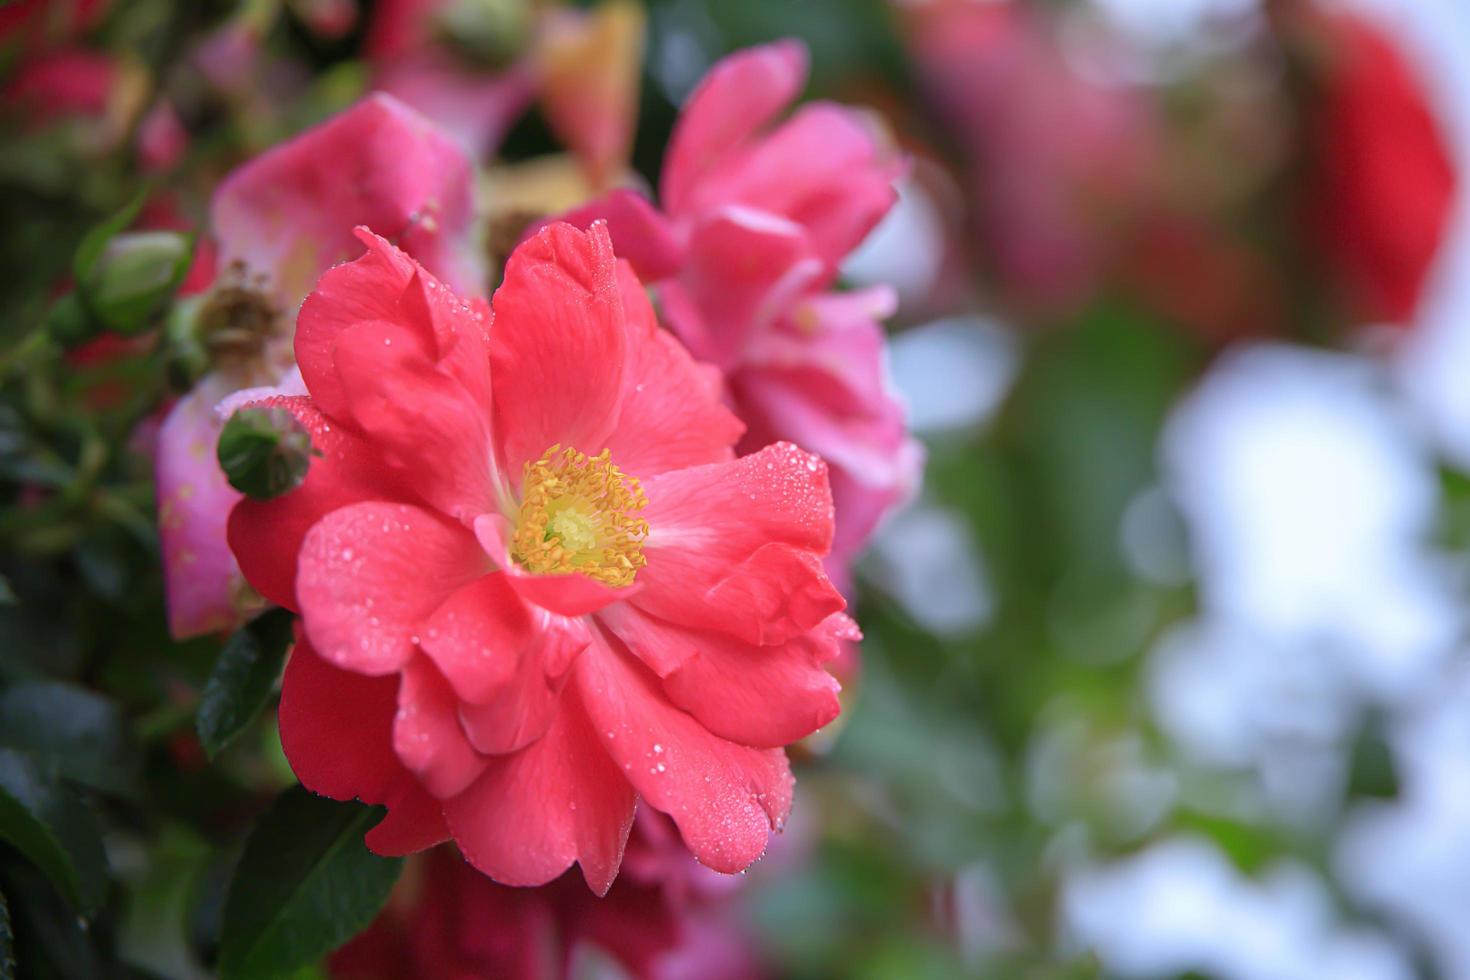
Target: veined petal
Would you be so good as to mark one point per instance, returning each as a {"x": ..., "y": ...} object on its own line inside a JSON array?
[
  {"x": 736, "y": 546},
  {"x": 640, "y": 233},
  {"x": 763, "y": 696},
  {"x": 556, "y": 801},
  {"x": 724, "y": 797},
  {"x": 673, "y": 413},
  {"x": 422, "y": 422},
  {"x": 370, "y": 574},
  {"x": 558, "y": 352}
]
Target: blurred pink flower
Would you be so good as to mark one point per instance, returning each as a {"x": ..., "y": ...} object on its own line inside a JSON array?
[
  {"x": 665, "y": 918},
  {"x": 584, "y": 66},
  {"x": 279, "y": 222},
  {"x": 61, "y": 83},
  {"x": 1055, "y": 163},
  {"x": 757, "y": 216}
]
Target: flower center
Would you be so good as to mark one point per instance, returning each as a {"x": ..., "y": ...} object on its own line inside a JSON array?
[{"x": 577, "y": 516}]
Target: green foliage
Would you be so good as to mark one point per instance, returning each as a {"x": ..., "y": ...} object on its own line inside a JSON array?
[
  {"x": 53, "y": 827},
  {"x": 72, "y": 733},
  {"x": 243, "y": 679},
  {"x": 7, "y": 941},
  {"x": 305, "y": 884}
]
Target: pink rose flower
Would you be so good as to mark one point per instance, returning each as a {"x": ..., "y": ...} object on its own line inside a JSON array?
[
  {"x": 535, "y": 584},
  {"x": 280, "y": 221},
  {"x": 757, "y": 215}
]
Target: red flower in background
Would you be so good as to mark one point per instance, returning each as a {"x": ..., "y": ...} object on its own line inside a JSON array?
[
  {"x": 535, "y": 585},
  {"x": 757, "y": 216},
  {"x": 661, "y": 920},
  {"x": 1382, "y": 180},
  {"x": 280, "y": 221}
]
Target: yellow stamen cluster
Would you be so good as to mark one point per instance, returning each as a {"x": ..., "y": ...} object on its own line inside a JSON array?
[{"x": 577, "y": 516}]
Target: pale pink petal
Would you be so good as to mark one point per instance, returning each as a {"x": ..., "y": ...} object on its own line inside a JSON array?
[
  {"x": 473, "y": 108},
  {"x": 739, "y": 96},
  {"x": 821, "y": 169},
  {"x": 289, "y": 213},
  {"x": 744, "y": 269},
  {"x": 202, "y": 583}
]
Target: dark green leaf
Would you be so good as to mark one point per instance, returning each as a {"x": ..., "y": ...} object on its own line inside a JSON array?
[
  {"x": 72, "y": 733},
  {"x": 7, "y": 942},
  {"x": 305, "y": 884},
  {"x": 84, "y": 262},
  {"x": 264, "y": 452},
  {"x": 243, "y": 678},
  {"x": 69, "y": 323},
  {"x": 52, "y": 827}
]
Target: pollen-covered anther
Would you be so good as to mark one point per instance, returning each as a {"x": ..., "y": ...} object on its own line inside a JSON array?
[{"x": 577, "y": 515}]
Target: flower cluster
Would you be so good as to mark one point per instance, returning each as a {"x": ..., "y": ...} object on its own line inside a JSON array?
[{"x": 757, "y": 216}]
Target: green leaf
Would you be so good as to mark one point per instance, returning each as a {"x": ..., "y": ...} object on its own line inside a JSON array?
[
  {"x": 84, "y": 262},
  {"x": 306, "y": 883},
  {"x": 264, "y": 452},
  {"x": 72, "y": 733},
  {"x": 69, "y": 323},
  {"x": 52, "y": 827},
  {"x": 243, "y": 678},
  {"x": 7, "y": 942}
]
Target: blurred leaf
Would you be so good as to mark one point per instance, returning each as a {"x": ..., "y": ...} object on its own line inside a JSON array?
[
  {"x": 68, "y": 323},
  {"x": 1372, "y": 772},
  {"x": 84, "y": 262},
  {"x": 7, "y": 942},
  {"x": 52, "y": 827},
  {"x": 243, "y": 678},
  {"x": 71, "y": 732},
  {"x": 305, "y": 884}
]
